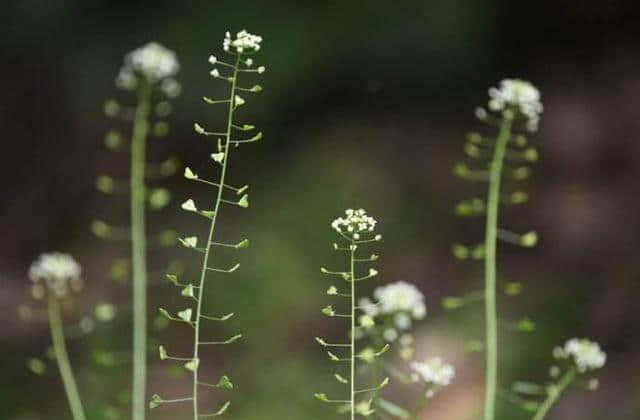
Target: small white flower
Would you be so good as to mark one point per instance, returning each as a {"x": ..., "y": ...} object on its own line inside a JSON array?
[
  {"x": 261, "y": 69},
  {"x": 152, "y": 61},
  {"x": 213, "y": 59},
  {"x": 171, "y": 87},
  {"x": 239, "y": 101},
  {"x": 519, "y": 94},
  {"x": 401, "y": 297},
  {"x": 406, "y": 340},
  {"x": 249, "y": 62},
  {"x": 368, "y": 307},
  {"x": 58, "y": 272},
  {"x": 433, "y": 371},
  {"x": 402, "y": 321},
  {"x": 390, "y": 335},
  {"x": 215, "y": 73},
  {"x": 244, "y": 42},
  {"x": 356, "y": 223},
  {"x": 586, "y": 354}
]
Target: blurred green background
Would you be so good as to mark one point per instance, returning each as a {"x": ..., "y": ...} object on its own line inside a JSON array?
[{"x": 366, "y": 104}]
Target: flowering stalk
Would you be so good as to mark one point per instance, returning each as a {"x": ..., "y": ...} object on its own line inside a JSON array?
[
  {"x": 515, "y": 101},
  {"x": 55, "y": 276},
  {"x": 357, "y": 229},
  {"x": 144, "y": 69},
  {"x": 583, "y": 356},
  {"x": 491, "y": 313},
  {"x": 554, "y": 393},
  {"x": 139, "y": 250},
  {"x": 240, "y": 48},
  {"x": 62, "y": 359}
]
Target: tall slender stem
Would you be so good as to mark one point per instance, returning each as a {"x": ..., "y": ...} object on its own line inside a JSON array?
[
  {"x": 422, "y": 404},
  {"x": 353, "y": 329},
  {"x": 139, "y": 250},
  {"x": 62, "y": 358},
  {"x": 205, "y": 261},
  {"x": 554, "y": 393},
  {"x": 491, "y": 313}
]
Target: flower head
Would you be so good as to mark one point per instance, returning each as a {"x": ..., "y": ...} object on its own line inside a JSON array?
[
  {"x": 518, "y": 94},
  {"x": 433, "y": 371},
  {"x": 586, "y": 354},
  {"x": 153, "y": 62},
  {"x": 244, "y": 42},
  {"x": 56, "y": 272},
  {"x": 356, "y": 223},
  {"x": 401, "y": 299}
]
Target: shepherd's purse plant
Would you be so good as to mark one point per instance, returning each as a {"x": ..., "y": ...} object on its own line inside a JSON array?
[
  {"x": 149, "y": 73},
  {"x": 357, "y": 230},
  {"x": 240, "y": 48},
  {"x": 54, "y": 277}
]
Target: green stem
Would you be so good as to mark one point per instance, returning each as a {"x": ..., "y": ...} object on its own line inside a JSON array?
[
  {"x": 353, "y": 330},
  {"x": 491, "y": 313},
  {"x": 139, "y": 250},
  {"x": 62, "y": 358},
  {"x": 554, "y": 393},
  {"x": 422, "y": 404},
  {"x": 205, "y": 262}
]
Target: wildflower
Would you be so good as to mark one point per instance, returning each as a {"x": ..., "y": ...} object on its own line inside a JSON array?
[
  {"x": 152, "y": 61},
  {"x": 518, "y": 94},
  {"x": 401, "y": 297},
  {"x": 57, "y": 272},
  {"x": 356, "y": 223},
  {"x": 244, "y": 42},
  {"x": 433, "y": 371},
  {"x": 586, "y": 354}
]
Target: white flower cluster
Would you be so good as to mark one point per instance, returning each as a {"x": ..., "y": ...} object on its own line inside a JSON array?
[
  {"x": 153, "y": 62},
  {"x": 401, "y": 300},
  {"x": 521, "y": 94},
  {"x": 244, "y": 42},
  {"x": 57, "y": 272},
  {"x": 356, "y": 223},
  {"x": 433, "y": 371},
  {"x": 586, "y": 354}
]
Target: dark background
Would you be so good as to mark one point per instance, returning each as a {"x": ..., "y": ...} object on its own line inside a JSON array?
[{"x": 366, "y": 105}]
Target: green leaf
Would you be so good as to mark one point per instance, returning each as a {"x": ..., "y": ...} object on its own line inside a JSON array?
[
  {"x": 322, "y": 397},
  {"x": 244, "y": 201},
  {"x": 156, "y": 400},
  {"x": 187, "y": 291},
  {"x": 242, "y": 244},
  {"x": 185, "y": 315},
  {"x": 172, "y": 278},
  {"x": 36, "y": 366},
  {"x": 224, "y": 383},
  {"x": 218, "y": 157},
  {"x": 163, "y": 353},
  {"x": 340, "y": 379},
  {"x": 192, "y": 365},
  {"x": 328, "y": 310}
]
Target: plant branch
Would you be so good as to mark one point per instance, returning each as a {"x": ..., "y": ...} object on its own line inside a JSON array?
[
  {"x": 210, "y": 241},
  {"x": 554, "y": 392},
  {"x": 62, "y": 358},
  {"x": 491, "y": 313},
  {"x": 139, "y": 250}
]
